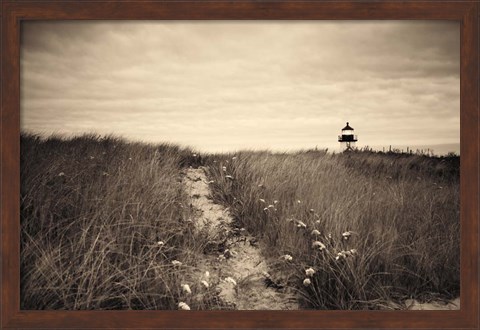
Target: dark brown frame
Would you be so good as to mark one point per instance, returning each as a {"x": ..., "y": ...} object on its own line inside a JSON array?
[{"x": 14, "y": 12}]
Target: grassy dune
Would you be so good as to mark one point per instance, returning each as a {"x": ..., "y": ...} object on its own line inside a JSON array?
[
  {"x": 93, "y": 210},
  {"x": 103, "y": 219},
  {"x": 399, "y": 215}
]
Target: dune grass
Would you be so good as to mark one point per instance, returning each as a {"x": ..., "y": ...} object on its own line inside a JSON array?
[
  {"x": 105, "y": 220},
  {"x": 102, "y": 221},
  {"x": 375, "y": 228}
]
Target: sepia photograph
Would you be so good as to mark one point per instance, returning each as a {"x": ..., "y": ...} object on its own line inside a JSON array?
[{"x": 240, "y": 165}]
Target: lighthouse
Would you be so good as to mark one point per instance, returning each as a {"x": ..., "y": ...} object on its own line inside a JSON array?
[{"x": 347, "y": 138}]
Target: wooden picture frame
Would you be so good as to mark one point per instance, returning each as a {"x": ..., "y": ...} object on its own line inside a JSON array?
[{"x": 14, "y": 12}]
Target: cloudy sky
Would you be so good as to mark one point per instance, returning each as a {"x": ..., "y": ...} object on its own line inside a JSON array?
[{"x": 221, "y": 86}]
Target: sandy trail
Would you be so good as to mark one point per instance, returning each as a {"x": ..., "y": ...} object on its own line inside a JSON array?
[
  {"x": 241, "y": 258},
  {"x": 436, "y": 305}
]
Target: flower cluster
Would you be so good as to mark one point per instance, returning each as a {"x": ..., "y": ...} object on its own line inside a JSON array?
[
  {"x": 322, "y": 242},
  {"x": 269, "y": 206},
  {"x": 345, "y": 254}
]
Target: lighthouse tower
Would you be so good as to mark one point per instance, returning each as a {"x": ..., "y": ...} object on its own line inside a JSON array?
[{"x": 347, "y": 138}]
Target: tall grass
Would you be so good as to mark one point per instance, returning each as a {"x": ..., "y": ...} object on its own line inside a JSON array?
[
  {"x": 102, "y": 220},
  {"x": 376, "y": 228}
]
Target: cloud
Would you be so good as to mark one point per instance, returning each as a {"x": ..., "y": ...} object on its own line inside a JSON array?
[{"x": 230, "y": 85}]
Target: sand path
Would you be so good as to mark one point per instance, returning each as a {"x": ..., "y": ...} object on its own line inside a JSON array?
[{"x": 238, "y": 265}]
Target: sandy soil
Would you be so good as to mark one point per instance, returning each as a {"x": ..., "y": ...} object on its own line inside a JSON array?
[
  {"x": 415, "y": 305},
  {"x": 240, "y": 267},
  {"x": 412, "y": 304}
]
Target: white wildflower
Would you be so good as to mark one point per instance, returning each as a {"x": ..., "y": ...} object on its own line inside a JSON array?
[
  {"x": 346, "y": 235},
  {"x": 301, "y": 224},
  {"x": 176, "y": 263},
  {"x": 207, "y": 274},
  {"x": 307, "y": 282},
  {"x": 186, "y": 288},
  {"x": 160, "y": 243},
  {"x": 61, "y": 174},
  {"x": 309, "y": 272},
  {"x": 224, "y": 168},
  {"x": 319, "y": 245},
  {"x": 287, "y": 257},
  {"x": 315, "y": 232},
  {"x": 205, "y": 284},
  {"x": 183, "y": 306}
]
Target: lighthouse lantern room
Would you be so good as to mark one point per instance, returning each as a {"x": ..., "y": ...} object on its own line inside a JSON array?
[{"x": 347, "y": 138}]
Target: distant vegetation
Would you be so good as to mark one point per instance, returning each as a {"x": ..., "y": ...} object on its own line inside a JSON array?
[
  {"x": 103, "y": 222},
  {"x": 376, "y": 228}
]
